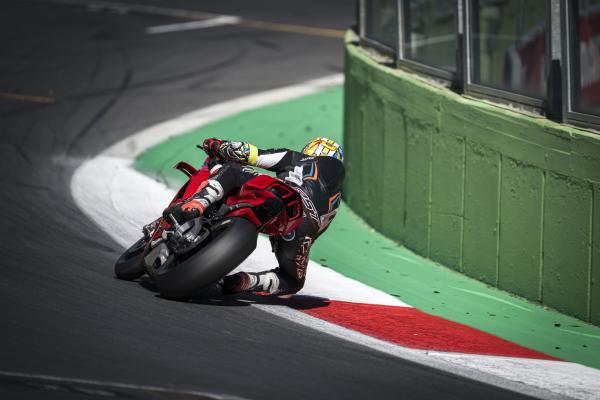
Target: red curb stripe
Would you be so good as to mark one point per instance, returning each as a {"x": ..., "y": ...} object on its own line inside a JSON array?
[{"x": 409, "y": 327}]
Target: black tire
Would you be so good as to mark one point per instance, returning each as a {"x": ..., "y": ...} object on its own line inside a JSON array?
[
  {"x": 181, "y": 279},
  {"x": 131, "y": 263}
]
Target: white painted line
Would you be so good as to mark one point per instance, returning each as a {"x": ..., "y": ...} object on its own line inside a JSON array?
[
  {"x": 124, "y": 8},
  {"x": 114, "y": 385},
  {"x": 580, "y": 333},
  {"x": 188, "y": 26},
  {"x": 400, "y": 256},
  {"x": 124, "y": 199},
  {"x": 487, "y": 296}
]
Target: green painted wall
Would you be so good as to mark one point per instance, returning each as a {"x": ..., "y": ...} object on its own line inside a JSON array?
[{"x": 510, "y": 199}]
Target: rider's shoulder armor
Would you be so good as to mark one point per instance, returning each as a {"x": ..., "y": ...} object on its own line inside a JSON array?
[
  {"x": 332, "y": 173},
  {"x": 318, "y": 178}
]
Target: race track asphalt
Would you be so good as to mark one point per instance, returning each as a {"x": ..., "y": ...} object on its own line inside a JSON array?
[{"x": 74, "y": 80}]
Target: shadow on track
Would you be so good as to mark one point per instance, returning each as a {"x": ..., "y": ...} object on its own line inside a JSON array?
[{"x": 214, "y": 297}]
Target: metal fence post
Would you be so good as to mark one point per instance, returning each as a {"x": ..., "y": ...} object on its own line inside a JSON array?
[
  {"x": 400, "y": 14},
  {"x": 555, "y": 108},
  {"x": 459, "y": 80}
]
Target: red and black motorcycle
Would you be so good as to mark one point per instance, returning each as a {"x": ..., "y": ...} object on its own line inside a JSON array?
[{"x": 184, "y": 260}]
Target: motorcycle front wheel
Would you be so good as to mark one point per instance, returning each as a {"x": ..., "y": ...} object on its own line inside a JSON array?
[
  {"x": 131, "y": 263},
  {"x": 183, "y": 277}
]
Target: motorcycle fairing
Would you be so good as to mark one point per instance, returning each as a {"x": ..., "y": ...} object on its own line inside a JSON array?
[{"x": 276, "y": 207}]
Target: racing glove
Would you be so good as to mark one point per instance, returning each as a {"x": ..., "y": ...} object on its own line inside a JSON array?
[
  {"x": 212, "y": 146},
  {"x": 185, "y": 211},
  {"x": 241, "y": 152}
]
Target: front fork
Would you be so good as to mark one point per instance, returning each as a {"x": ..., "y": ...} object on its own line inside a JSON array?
[{"x": 148, "y": 229}]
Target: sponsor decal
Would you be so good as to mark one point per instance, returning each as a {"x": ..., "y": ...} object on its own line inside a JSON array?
[
  {"x": 249, "y": 170},
  {"x": 326, "y": 219},
  {"x": 302, "y": 257},
  {"x": 313, "y": 173},
  {"x": 309, "y": 207},
  {"x": 295, "y": 176},
  {"x": 334, "y": 201}
]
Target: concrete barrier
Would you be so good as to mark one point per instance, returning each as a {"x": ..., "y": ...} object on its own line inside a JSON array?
[{"x": 508, "y": 198}]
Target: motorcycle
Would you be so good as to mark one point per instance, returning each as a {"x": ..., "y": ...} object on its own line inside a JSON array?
[{"x": 185, "y": 260}]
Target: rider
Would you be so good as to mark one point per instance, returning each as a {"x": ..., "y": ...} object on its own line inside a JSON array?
[{"x": 316, "y": 173}]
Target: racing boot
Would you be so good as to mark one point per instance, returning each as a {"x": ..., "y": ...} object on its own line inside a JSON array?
[
  {"x": 263, "y": 283},
  {"x": 185, "y": 211},
  {"x": 208, "y": 192}
]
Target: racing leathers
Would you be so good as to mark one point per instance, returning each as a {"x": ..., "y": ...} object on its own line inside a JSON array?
[{"x": 318, "y": 181}]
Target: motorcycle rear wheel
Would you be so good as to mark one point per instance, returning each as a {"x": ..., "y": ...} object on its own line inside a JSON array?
[
  {"x": 181, "y": 278},
  {"x": 130, "y": 265}
]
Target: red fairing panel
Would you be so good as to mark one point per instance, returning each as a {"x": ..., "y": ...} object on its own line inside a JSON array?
[
  {"x": 256, "y": 191},
  {"x": 196, "y": 180}
]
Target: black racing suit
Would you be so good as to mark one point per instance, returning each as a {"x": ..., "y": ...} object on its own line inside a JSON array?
[{"x": 318, "y": 181}]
